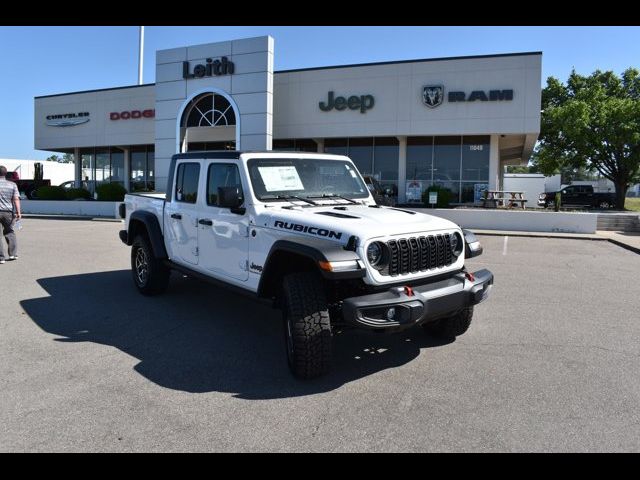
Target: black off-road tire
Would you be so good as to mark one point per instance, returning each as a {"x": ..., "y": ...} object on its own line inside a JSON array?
[
  {"x": 307, "y": 325},
  {"x": 453, "y": 326},
  {"x": 150, "y": 275}
]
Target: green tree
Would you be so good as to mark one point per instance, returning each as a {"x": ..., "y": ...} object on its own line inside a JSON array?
[
  {"x": 67, "y": 158},
  {"x": 53, "y": 158},
  {"x": 592, "y": 123}
]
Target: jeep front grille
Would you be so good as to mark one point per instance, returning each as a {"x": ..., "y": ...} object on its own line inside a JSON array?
[{"x": 418, "y": 254}]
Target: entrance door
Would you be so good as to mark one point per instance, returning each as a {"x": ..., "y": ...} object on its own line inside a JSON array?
[
  {"x": 223, "y": 239},
  {"x": 181, "y": 214}
]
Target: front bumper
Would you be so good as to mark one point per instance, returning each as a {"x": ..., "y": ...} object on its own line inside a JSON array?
[{"x": 394, "y": 309}]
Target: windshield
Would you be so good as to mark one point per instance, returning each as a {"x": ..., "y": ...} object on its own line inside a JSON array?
[{"x": 284, "y": 178}]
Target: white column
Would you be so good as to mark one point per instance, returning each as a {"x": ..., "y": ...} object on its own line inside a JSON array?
[
  {"x": 127, "y": 169},
  {"x": 320, "y": 143},
  {"x": 402, "y": 169},
  {"x": 77, "y": 167},
  {"x": 494, "y": 163}
]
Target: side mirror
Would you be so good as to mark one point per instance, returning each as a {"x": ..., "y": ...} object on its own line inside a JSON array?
[{"x": 230, "y": 197}]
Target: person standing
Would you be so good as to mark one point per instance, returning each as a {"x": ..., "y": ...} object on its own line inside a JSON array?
[{"x": 9, "y": 212}]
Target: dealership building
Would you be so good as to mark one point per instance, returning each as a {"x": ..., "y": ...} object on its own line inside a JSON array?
[{"x": 454, "y": 122}]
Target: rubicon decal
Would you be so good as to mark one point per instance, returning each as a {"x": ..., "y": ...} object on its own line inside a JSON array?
[
  {"x": 296, "y": 227},
  {"x": 67, "y": 119},
  {"x": 134, "y": 114}
]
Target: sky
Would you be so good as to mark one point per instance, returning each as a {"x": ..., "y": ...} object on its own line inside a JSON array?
[{"x": 48, "y": 60}]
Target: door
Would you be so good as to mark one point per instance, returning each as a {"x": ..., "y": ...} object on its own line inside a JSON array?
[
  {"x": 587, "y": 195},
  {"x": 223, "y": 239},
  {"x": 181, "y": 215},
  {"x": 570, "y": 196}
]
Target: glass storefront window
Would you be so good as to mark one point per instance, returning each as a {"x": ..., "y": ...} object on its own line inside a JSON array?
[
  {"x": 446, "y": 161},
  {"x": 283, "y": 145},
  {"x": 475, "y": 158},
  {"x": 142, "y": 168},
  {"x": 87, "y": 157},
  {"x": 337, "y": 146},
  {"x": 151, "y": 167},
  {"x": 306, "y": 145},
  {"x": 117, "y": 166},
  {"x": 361, "y": 153},
  {"x": 102, "y": 171},
  {"x": 385, "y": 162},
  {"x": 419, "y": 158}
]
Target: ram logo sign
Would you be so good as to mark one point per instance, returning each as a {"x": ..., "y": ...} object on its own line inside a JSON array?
[{"x": 432, "y": 95}]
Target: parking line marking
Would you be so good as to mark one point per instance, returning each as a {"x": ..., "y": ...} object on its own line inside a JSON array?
[{"x": 504, "y": 245}]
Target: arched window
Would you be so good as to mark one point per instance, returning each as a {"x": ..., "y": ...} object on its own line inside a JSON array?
[{"x": 209, "y": 110}]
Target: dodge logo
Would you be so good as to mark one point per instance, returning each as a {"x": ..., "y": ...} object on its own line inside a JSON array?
[{"x": 432, "y": 95}]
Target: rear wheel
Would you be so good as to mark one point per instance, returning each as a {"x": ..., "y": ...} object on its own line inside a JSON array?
[
  {"x": 150, "y": 275},
  {"x": 604, "y": 204},
  {"x": 453, "y": 326},
  {"x": 307, "y": 325}
]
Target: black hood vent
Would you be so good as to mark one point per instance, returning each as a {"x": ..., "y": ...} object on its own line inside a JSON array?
[{"x": 336, "y": 214}]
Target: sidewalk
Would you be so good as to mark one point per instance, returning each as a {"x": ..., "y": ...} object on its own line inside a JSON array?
[{"x": 628, "y": 240}]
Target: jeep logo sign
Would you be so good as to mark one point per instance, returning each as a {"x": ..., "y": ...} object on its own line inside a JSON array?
[{"x": 354, "y": 102}]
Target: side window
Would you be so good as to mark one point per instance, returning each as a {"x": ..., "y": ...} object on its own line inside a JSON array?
[
  {"x": 187, "y": 182},
  {"x": 221, "y": 175}
]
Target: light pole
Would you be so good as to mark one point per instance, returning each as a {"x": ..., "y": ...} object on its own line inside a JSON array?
[{"x": 140, "y": 55}]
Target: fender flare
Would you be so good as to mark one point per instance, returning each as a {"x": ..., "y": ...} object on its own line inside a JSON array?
[
  {"x": 152, "y": 226},
  {"x": 315, "y": 250}
]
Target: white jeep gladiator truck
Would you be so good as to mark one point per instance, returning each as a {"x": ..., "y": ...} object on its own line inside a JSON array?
[{"x": 303, "y": 232}]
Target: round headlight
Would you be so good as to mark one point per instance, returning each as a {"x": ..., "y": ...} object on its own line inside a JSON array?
[
  {"x": 457, "y": 244},
  {"x": 374, "y": 253}
]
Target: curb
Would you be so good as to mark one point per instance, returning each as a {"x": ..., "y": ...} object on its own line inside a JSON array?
[
  {"x": 538, "y": 235},
  {"x": 70, "y": 217},
  {"x": 624, "y": 245}
]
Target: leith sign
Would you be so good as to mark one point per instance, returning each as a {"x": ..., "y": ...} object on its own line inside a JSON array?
[{"x": 211, "y": 68}]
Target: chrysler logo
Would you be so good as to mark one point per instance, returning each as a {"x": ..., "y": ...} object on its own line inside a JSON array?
[
  {"x": 67, "y": 119},
  {"x": 432, "y": 95}
]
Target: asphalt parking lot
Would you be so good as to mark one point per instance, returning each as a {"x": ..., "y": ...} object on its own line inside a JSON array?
[{"x": 550, "y": 362}]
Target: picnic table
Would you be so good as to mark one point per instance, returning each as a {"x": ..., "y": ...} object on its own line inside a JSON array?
[{"x": 503, "y": 198}]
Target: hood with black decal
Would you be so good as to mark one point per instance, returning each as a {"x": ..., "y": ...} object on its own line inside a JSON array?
[{"x": 339, "y": 223}]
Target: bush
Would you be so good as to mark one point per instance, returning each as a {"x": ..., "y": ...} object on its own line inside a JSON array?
[
  {"x": 51, "y": 193},
  {"x": 111, "y": 192},
  {"x": 444, "y": 196},
  {"x": 75, "y": 193}
]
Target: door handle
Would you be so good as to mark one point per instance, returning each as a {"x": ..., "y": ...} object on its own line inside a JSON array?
[
  {"x": 177, "y": 216},
  {"x": 205, "y": 221}
]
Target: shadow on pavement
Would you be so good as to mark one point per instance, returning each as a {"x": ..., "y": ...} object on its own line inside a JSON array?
[{"x": 199, "y": 338}]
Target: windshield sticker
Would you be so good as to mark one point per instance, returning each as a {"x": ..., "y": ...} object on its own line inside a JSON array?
[{"x": 280, "y": 178}]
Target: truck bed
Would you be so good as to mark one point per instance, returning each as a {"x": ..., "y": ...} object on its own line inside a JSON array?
[{"x": 149, "y": 202}]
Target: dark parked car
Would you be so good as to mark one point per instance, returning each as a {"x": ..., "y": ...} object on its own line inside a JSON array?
[
  {"x": 578, "y": 196},
  {"x": 27, "y": 187}
]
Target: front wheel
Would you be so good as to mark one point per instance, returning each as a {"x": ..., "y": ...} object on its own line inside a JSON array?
[
  {"x": 150, "y": 275},
  {"x": 453, "y": 326},
  {"x": 307, "y": 326},
  {"x": 604, "y": 204}
]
